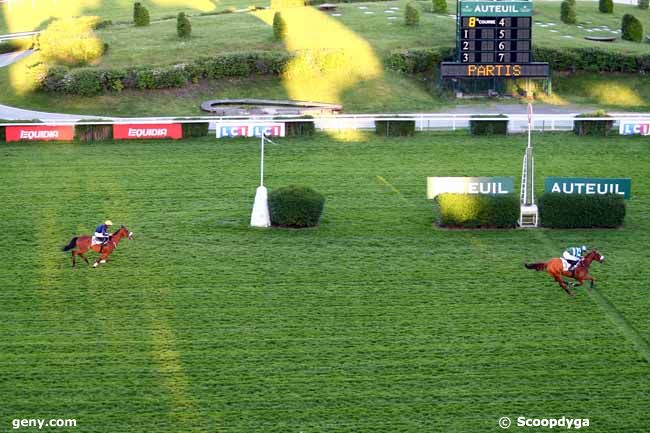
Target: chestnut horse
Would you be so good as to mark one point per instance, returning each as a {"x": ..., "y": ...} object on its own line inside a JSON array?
[
  {"x": 83, "y": 244},
  {"x": 580, "y": 272}
]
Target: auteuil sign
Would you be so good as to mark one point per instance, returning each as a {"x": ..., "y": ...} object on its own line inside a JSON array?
[
  {"x": 469, "y": 185},
  {"x": 589, "y": 186}
]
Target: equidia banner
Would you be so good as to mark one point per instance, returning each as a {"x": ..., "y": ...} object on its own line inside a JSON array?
[
  {"x": 634, "y": 127},
  {"x": 140, "y": 131},
  {"x": 39, "y": 133}
]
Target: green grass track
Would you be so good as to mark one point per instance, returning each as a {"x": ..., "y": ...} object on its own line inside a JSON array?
[{"x": 377, "y": 321}]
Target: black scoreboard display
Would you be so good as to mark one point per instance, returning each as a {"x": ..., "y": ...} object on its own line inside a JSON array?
[{"x": 494, "y": 40}]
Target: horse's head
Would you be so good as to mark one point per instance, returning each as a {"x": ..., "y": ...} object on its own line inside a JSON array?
[
  {"x": 125, "y": 232},
  {"x": 595, "y": 255}
]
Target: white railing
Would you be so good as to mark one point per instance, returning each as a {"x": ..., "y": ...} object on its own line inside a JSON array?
[
  {"x": 19, "y": 35},
  {"x": 517, "y": 123}
]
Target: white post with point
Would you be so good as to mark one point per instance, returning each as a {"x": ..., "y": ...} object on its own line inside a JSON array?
[{"x": 260, "y": 217}]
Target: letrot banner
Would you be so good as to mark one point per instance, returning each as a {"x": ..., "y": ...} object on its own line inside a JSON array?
[
  {"x": 634, "y": 127},
  {"x": 470, "y": 185},
  {"x": 140, "y": 131},
  {"x": 39, "y": 133},
  {"x": 249, "y": 129},
  {"x": 589, "y": 186}
]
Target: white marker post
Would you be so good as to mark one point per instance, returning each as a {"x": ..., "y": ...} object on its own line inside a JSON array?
[
  {"x": 260, "y": 216},
  {"x": 529, "y": 214}
]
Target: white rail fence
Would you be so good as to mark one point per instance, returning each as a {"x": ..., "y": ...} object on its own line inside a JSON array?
[{"x": 517, "y": 123}]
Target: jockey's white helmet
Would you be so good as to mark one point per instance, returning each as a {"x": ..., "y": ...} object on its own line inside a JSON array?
[
  {"x": 584, "y": 248},
  {"x": 108, "y": 222}
]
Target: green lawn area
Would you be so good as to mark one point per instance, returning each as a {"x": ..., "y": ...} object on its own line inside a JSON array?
[{"x": 374, "y": 321}]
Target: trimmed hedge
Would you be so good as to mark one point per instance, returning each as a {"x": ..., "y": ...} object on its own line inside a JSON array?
[
  {"x": 488, "y": 127},
  {"x": 606, "y": 6},
  {"x": 198, "y": 129},
  {"x": 478, "y": 210},
  {"x": 279, "y": 27},
  {"x": 440, "y": 6},
  {"x": 416, "y": 61},
  {"x": 298, "y": 129},
  {"x": 91, "y": 81},
  {"x": 140, "y": 15},
  {"x": 581, "y": 211},
  {"x": 183, "y": 26},
  {"x": 411, "y": 14},
  {"x": 631, "y": 28},
  {"x": 296, "y": 206},
  {"x": 395, "y": 128},
  {"x": 593, "y": 127},
  {"x": 90, "y": 132},
  {"x": 592, "y": 60},
  {"x": 568, "y": 12}
]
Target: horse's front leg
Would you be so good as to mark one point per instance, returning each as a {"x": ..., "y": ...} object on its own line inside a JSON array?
[
  {"x": 564, "y": 285},
  {"x": 592, "y": 281},
  {"x": 101, "y": 260}
]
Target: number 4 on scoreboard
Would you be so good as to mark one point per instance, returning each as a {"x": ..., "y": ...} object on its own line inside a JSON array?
[{"x": 502, "y": 22}]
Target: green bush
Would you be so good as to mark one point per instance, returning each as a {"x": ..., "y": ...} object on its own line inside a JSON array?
[
  {"x": 643, "y": 4},
  {"x": 296, "y": 206},
  {"x": 194, "y": 129},
  {"x": 632, "y": 28},
  {"x": 140, "y": 15},
  {"x": 411, "y": 14},
  {"x": 183, "y": 26},
  {"x": 568, "y": 12},
  {"x": 488, "y": 127},
  {"x": 440, "y": 6},
  {"x": 581, "y": 211},
  {"x": 92, "y": 132},
  {"x": 416, "y": 61},
  {"x": 84, "y": 82},
  {"x": 283, "y": 4},
  {"x": 71, "y": 41},
  {"x": 593, "y": 127},
  {"x": 62, "y": 80},
  {"x": 478, "y": 210},
  {"x": 592, "y": 60},
  {"x": 9, "y": 47},
  {"x": 298, "y": 128},
  {"x": 279, "y": 27},
  {"x": 395, "y": 128},
  {"x": 606, "y": 6}
]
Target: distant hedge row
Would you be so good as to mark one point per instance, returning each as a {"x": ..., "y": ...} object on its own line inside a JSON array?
[
  {"x": 565, "y": 59},
  {"x": 92, "y": 81},
  {"x": 581, "y": 211},
  {"x": 478, "y": 210}
]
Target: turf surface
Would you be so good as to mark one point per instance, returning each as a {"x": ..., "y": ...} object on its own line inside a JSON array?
[{"x": 374, "y": 321}]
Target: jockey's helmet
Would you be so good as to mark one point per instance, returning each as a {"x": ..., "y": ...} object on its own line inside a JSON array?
[
  {"x": 584, "y": 248},
  {"x": 108, "y": 222}
]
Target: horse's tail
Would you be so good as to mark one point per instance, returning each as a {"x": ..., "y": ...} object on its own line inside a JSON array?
[
  {"x": 71, "y": 245},
  {"x": 537, "y": 266}
]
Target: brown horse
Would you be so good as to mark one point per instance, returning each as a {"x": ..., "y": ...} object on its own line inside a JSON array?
[
  {"x": 84, "y": 243},
  {"x": 580, "y": 273}
]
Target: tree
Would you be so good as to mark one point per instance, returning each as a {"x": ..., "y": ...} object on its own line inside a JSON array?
[
  {"x": 440, "y": 6},
  {"x": 140, "y": 15},
  {"x": 183, "y": 26},
  {"x": 279, "y": 27},
  {"x": 411, "y": 14}
]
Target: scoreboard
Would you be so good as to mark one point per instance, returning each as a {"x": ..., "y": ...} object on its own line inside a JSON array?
[{"x": 494, "y": 40}]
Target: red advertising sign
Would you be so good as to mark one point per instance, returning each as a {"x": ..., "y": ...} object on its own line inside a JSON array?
[
  {"x": 39, "y": 133},
  {"x": 147, "y": 131}
]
